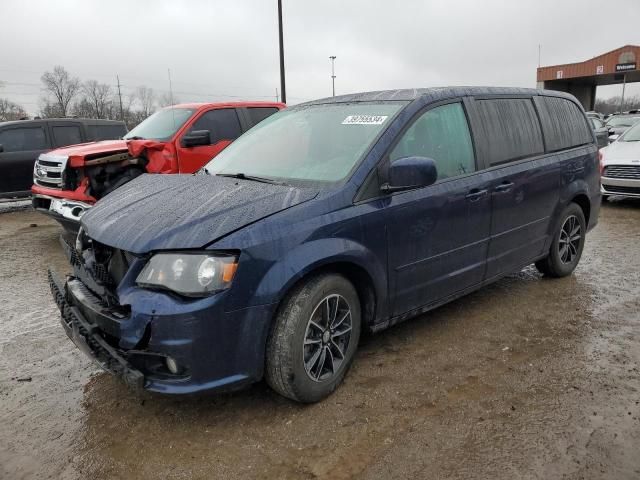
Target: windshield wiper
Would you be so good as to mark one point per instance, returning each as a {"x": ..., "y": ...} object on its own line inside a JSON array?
[
  {"x": 135, "y": 137},
  {"x": 242, "y": 176}
]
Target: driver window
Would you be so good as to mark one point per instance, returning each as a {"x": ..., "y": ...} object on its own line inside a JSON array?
[
  {"x": 442, "y": 134},
  {"x": 223, "y": 124}
]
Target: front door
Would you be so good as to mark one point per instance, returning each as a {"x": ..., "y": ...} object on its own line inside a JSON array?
[
  {"x": 438, "y": 235},
  {"x": 223, "y": 126}
]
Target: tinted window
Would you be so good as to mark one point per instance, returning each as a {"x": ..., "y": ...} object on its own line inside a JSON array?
[
  {"x": 442, "y": 134},
  {"x": 106, "y": 132},
  {"x": 66, "y": 135},
  {"x": 257, "y": 114},
  {"x": 23, "y": 139},
  {"x": 508, "y": 129},
  {"x": 596, "y": 123},
  {"x": 222, "y": 124},
  {"x": 564, "y": 124}
]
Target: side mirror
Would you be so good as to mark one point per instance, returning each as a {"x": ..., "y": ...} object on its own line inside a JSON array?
[
  {"x": 613, "y": 138},
  {"x": 196, "y": 138},
  {"x": 1, "y": 148},
  {"x": 410, "y": 172}
]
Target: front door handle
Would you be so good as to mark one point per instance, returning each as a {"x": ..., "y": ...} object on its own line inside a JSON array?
[
  {"x": 475, "y": 195},
  {"x": 503, "y": 187}
]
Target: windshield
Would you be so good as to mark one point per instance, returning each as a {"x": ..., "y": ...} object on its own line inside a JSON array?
[
  {"x": 318, "y": 143},
  {"x": 631, "y": 135},
  {"x": 622, "y": 121},
  {"x": 162, "y": 125}
]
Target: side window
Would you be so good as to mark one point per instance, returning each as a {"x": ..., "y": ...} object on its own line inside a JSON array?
[
  {"x": 596, "y": 123},
  {"x": 564, "y": 125},
  {"x": 106, "y": 132},
  {"x": 257, "y": 114},
  {"x": 508, "y": 129},
  {"x": 223, "y": 124},
  {"x": 64, "y": 135},
  {"x": 442, "y": 134},
  {"x": 23, "y": 139}
]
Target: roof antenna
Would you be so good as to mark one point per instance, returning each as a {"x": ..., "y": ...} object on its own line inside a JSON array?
[{"x": 173, "y": 110}]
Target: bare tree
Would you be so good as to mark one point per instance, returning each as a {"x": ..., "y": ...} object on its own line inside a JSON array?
[
  {"x": 62, "y": 86},
  {"x": 11, "y": 111},
  {"x": 146, "y": 99},
  {"x": 99, "y": 96},
  {"x": 166, "y": 100}
]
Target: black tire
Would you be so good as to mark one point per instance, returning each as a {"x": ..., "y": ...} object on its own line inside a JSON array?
[
  {"x": 288, "y": 354},
  {"x": 563, "y": 257}
]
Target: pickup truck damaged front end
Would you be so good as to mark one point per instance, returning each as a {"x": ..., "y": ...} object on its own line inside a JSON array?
[
  {"x": 184, "y": 349},
  {"x": 68, "y": 181}
]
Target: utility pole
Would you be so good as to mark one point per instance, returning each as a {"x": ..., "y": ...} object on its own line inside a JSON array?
[
  {"x": 333, "y": 75},
  {"x": 539, "y": 54},
  {"x": 282, "y": 86},
  {"x": 120, "y": 98}
]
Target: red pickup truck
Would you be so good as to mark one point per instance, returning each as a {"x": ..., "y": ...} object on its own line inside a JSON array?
[{"x": 179, "y": 139}]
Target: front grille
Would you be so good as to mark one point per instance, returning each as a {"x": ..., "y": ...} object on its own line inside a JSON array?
[
  {"x": 622, "y": 190},
  {"x": 622, "y": 171},
  {"x": 47, "y": 172}
]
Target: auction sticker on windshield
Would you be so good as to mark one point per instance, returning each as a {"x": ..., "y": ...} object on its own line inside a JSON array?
[{"x": 364, "y": 120}]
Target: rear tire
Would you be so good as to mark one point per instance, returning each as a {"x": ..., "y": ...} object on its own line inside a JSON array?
[
  {"x": 567, "y": 244},
  {"x": 314, "y": 339}
]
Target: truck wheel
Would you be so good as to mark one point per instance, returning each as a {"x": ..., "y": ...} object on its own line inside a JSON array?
[
  {"x": 314, "y": 339},
  {"x": 567, "y": 244}
]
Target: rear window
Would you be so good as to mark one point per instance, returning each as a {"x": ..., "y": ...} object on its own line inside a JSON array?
[
  {"x": 23, "y": 139},
  {"x": 106, "y": 132},
  {"x": 509, "y": 129},
  {"x": 66, "y": 135},
  {"x": 563, "y": 123},
  {"x": 257, "y": 114}
]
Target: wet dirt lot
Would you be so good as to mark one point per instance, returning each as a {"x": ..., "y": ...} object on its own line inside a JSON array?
[{"x": 528, "y": 378}]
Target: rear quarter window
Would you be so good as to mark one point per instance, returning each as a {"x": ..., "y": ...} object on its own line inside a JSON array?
[
  {"x": 563, "y": 123},
  {"x": 257, "y": 114},
  {"x": 106, "y": 132},
  {"x": 509, "y": 129}
]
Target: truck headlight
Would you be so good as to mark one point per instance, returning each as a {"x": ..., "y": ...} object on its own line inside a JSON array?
[{"x": 189, "y": 274}]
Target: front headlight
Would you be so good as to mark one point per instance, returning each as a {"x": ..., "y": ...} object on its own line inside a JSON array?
[{"x": 190, "y": 274}]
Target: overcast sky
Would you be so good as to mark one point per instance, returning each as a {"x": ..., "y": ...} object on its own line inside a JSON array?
[{"x": 219, "y": 50}]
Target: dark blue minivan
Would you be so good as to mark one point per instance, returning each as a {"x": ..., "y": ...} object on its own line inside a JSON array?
[{"x": 329, "y": 218}]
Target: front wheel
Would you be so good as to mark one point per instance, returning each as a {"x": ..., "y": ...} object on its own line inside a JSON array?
[
  {"x": 567, "y": 244},
  {"x": 314, "y": 339}
]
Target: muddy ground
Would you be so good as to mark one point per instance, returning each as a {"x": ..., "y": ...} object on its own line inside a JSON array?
[{"x": 528, "y": 378}]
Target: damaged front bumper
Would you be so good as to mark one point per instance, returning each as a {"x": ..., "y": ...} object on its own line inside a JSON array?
[{"x": 83, "y": 334}]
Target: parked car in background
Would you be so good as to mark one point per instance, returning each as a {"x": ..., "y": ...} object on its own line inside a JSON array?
[
  {"x": 332, "y": 217},
  {"x": 618, "y": 124},
  {"x": 620, "y": 165},
  {"x": 178, "y": 139},
  {"x": 22, "y": 141},
  {"x": 600, "y": 130},
  {"x": 592, "y": 114}
]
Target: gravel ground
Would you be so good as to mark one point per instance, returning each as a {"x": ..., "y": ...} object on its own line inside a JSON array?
[{"x": 527, "y": 378}]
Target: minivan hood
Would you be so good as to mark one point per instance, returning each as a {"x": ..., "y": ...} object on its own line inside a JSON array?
[
  {"x": 622, "y": 152},
  {"x": 165, "y": 212}
]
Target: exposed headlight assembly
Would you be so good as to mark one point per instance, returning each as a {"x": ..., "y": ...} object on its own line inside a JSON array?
[{"x": 189, "y": 274}]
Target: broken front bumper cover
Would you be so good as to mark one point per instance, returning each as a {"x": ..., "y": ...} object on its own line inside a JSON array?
[{"x": 83, "y": 334}]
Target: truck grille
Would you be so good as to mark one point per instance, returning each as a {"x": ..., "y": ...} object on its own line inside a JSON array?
[
  {"x": 47, "y": 171},
  {"x": 622, "y": 171},
  {"x": 622, "y": 190}
]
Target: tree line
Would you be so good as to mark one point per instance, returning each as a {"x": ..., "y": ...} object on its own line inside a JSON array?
[
  {"x": 613, "y": 104},
  {"x": 67, "y": 96}
]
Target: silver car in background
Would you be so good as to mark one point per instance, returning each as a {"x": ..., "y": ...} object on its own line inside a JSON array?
[
  {"x": 620, "y": 165},
  {"x": 618, "y": 124}
]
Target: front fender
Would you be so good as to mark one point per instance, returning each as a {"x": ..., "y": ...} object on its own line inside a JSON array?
[{"x": 317, "y": 254}]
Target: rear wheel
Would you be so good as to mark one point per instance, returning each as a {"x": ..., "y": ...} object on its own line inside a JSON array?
[
  {"x": 314, "y": 339},
  {"x": 567, "y": 244}
]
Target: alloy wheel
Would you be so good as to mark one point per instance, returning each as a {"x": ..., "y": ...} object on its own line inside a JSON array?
[{"x": 569, "y": 241}]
